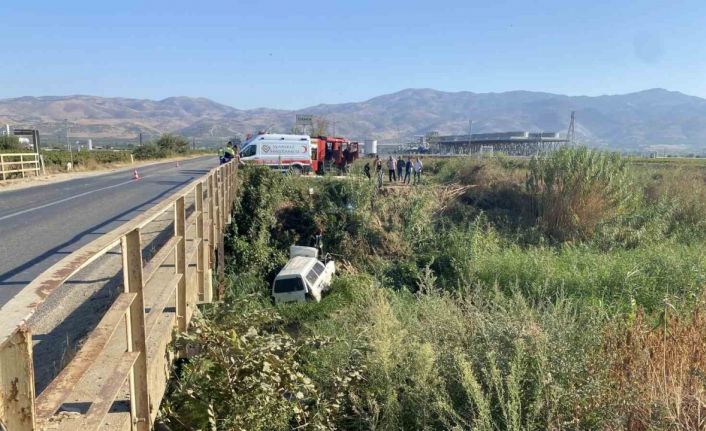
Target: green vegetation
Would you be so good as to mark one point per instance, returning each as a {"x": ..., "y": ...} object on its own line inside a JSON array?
[
  {"x": 561, "y": 293},
  {"x": 84, "y": 158},
  {"x": 166, "y": 146},
  {"x": 9, "y": 143}
]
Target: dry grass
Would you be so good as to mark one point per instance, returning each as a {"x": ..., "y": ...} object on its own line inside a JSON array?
[{"x": 661, "y": 371}]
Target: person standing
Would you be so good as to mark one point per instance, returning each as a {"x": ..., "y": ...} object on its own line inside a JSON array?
[
  {"x": 378, "y": 170},
  {"x": 228, "y": 153},
  {"x": 391, "y": 169},
  {"x": 366, "y": 170},
  {"x": 418, "y": 166},
  {"x": 400, "y": 167},
  {"x": 408, "y": 170}
]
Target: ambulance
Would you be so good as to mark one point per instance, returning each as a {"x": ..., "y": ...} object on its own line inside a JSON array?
[{"x": 281, "y": 152}]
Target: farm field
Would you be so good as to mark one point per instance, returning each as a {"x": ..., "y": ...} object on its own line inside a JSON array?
[{"x": 557, "y": 293}]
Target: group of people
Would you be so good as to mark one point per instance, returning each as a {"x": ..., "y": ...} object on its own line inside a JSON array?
[{"x": 395, "y": 168}]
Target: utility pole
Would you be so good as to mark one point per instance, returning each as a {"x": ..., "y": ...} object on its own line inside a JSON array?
[
  {"x": 470, "y": 129},
  {"x": 140, "y": 138},
  {"x": 68, "y": 144}
]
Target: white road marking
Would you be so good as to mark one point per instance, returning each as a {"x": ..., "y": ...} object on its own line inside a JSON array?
[{"x": 68, "y": 199}]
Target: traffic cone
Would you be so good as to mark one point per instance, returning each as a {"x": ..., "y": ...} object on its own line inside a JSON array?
[{"x": 135, "y": 175}]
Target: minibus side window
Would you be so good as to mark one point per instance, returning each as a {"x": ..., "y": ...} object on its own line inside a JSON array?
[{"x": 312, "y": 276}]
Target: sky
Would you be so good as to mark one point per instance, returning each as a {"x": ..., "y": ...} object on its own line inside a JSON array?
[{"x": 294, "y": 54}]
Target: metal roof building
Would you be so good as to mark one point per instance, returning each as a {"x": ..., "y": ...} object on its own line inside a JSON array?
[{"x": 511, "y": 143}]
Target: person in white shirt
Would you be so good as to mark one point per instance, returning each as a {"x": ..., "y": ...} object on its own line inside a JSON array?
[
  {"x": 391, "y": 169},
  {"x": 418, "y": 171}
]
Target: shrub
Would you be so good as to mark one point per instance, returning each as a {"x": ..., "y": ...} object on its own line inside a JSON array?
[
  {"x": 242, "y": 376},
  {"x": 150, "y": 151},
  {"x": 576, "y": 189},
  {"x": 10, "y": 143},
  {"x": 173, "y": 144},
  {"x": 249, "y": 241}
]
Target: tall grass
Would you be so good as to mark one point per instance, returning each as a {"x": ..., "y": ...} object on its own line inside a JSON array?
[
  {"x": 451, "y": 312},
  {"x": 577, "y": 189}
]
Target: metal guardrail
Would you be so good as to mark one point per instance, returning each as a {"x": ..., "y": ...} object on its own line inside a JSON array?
[
  {"x": 18, "y": 163},
  {"x": 171, "y": 298}
]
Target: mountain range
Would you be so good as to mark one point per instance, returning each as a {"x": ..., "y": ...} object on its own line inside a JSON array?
[{"x": 640, "y": 120}]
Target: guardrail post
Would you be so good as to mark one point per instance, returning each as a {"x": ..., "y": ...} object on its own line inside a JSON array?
[
  {"x": 36, "y": 165},
  {"x": 17, "y": 382},
  {"x": 180, "y": 262},
  {"x": 22, "y": 165},
  {"x": 221, "y": 233},
  {"x": 2, "y": 166},
  {"x": 211, "y": 239},
  {"x": 201, "y": 258},
  {"x": 229, "y": 189},
  {"x": 135, "y": 324}
]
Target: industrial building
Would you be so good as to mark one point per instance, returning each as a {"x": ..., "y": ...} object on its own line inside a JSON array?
[{"x": 510, "y": 143}]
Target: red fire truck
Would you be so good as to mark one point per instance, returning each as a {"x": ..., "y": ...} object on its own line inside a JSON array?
[{"x": 332, "y": 152}]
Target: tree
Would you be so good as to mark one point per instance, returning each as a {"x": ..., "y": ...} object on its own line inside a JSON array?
[
  {"x": 10, "y": 143},
  {"x": 173, "y": 143}
]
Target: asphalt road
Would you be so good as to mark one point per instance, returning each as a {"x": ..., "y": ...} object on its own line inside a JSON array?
[{"x": 40, "y": 225}]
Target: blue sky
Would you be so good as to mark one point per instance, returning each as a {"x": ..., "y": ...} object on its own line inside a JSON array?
[{"x": 293, "y": 54}]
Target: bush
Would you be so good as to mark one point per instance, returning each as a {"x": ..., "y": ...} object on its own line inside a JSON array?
[
  {"x": 10, "y": 143},
  {"x": 150, "y": 151},
  {"x": 576, "y": 189},
  {"x": 248, "y": 240},
  {"x": 243, "y": 376},
  {"x": 166, "y": 146},
  {"x": 173, "y": 144}
]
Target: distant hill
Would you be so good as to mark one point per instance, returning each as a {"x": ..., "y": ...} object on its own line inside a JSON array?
[{"x": 635, "y": 120}]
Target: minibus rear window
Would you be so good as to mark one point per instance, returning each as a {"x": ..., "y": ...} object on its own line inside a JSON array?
[{"x": 286, "y": 285}]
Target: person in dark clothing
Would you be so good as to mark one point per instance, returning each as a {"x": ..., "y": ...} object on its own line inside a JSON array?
[
  {"x": 378, "y": 170},
  {"x": 400, "y": 167},
  {"x": 366, "y": 170},
  {"x": 228, "y": 153},
  {"x": 408, "y": 170}
]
